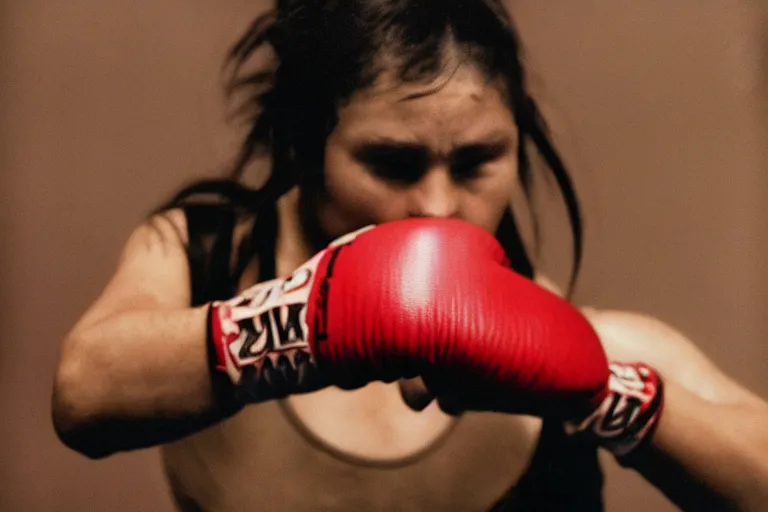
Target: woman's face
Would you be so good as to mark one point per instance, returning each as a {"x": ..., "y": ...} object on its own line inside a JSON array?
[{"x": 443, "y": 149}]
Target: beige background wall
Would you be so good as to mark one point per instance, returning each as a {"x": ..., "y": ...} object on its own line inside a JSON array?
[{"x": 106, "y": 107}]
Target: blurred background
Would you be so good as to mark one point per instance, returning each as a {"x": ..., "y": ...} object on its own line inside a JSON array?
[{"x": 107, "y": 107}]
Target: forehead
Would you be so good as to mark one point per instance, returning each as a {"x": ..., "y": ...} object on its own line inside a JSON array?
[{"x": 457, "y": 105}]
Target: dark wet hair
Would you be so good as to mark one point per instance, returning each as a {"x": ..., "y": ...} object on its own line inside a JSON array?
[{"x": 324, "y": 51}]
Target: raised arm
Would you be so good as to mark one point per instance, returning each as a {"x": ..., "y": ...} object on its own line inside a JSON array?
[
  {"x": 134, "y": 371},
  {"x": 711, "y": 445}
]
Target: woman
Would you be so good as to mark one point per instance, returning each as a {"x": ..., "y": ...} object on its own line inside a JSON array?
[{"x": 370, "y": 111}]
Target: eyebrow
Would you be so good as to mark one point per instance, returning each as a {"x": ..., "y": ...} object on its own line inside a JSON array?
[
  {"x": 392, "y": 151},
  {"x": 491, "y": 145},
  {"x": 479, "y": 151}
]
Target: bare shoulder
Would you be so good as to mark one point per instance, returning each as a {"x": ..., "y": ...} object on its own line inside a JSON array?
[
  {"x": 629, "y": 336},
  {"x": 155, "y": 255},
  {"x": 152, "y": 270}
]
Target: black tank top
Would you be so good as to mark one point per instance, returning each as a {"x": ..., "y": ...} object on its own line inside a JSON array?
[{"x": 563, "y": 474}]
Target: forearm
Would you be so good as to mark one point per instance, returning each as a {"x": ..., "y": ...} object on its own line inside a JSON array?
[
  {"x": 136, "y": 379},
  {"x": 707, "y": 456}
]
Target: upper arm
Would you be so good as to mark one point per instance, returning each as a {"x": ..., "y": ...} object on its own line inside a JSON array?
[
  {"x": 152, "y": 271},
  {"x": 632, "y": 337}
]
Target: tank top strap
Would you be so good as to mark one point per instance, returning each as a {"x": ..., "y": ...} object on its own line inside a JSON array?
[
  {"x": 209, "y": 250},
  {"x": 214, "y": 273}
]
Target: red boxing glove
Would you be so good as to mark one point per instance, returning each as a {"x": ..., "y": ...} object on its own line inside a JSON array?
[
  {"x": 436, "y": 297},
  {"x": 429, "y": 297}
]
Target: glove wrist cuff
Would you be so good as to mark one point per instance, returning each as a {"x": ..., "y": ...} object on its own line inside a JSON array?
[
  {"x": 259, "y": 339},
  {"x": 222, "y": 332},
  {"x": 225, "y": 394},
  {"x": 628, "y": 415}
]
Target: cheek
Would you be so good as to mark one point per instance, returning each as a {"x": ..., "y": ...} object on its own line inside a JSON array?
[
  {"x": 485, "y": 210},
  {"x": 485, "y": 203}
]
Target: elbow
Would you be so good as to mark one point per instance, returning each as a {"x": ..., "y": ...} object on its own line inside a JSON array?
[
  {"x": 77, "y": 419},
  {"x": 77, "y": 433},
  {"x": 80, "y": 437}
]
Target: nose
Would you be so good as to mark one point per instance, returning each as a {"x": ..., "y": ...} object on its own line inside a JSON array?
[{"x": 434, "y": 195}]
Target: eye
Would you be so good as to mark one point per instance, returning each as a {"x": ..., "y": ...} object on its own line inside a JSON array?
[
  {"x": 466, "y": 170},
  {"x": 467, "y": 162},
  {"x": 394, "y": 162}
]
